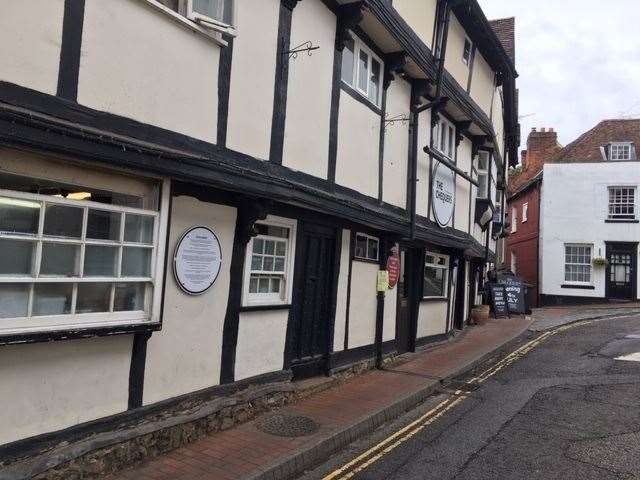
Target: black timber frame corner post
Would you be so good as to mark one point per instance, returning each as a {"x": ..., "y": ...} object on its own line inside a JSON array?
[
  {"x": 385, "y": 246},
  {"x": 348, "y": 16},
  {"x": 281, "y": 81},
  {"x": 248, "y": 213}
]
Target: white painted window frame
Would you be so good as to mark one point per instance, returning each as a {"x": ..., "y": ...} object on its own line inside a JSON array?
[
  {"x": 186, "y": 8},
  {"x": 484, "y": 172},
  {"x": 267, "y": 299},
  {"x": 74, "y": 321},
  {"x": 514, "y": 263},
  {"x": 565, "y": 263},
  {"x": 444, "y": 267},
  {"x": 467, "y": 60},
  {"x": 449, "y": 140},
  {"x": 622, "y": 151},
  {"x": 633, "y": 203},
  {"x": 525, "y": 212},
  {"x": 359, "y": 45},
  {"x": 367, "y": 257},
  {"x": 514, "y": 219}
]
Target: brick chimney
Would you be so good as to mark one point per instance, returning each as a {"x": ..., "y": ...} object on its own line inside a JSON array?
[{"x": 542, "y": 145}]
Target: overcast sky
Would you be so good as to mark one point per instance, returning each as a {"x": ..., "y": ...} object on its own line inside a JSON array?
[{"x": 578, "y": 61}]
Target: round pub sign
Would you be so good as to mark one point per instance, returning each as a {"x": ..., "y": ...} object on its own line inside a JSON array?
[{"x": 443, "y": 196}]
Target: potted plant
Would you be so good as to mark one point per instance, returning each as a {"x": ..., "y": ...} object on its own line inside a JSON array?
[{"x": 600, "y": 262}]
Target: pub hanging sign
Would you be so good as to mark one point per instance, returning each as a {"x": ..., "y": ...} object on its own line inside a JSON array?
[
  {"x": 197, "y": 260},
  {"x": 443, "y": 194}
]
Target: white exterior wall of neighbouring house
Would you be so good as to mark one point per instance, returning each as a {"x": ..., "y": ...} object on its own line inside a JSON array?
[{"x": 574, "y": 207}]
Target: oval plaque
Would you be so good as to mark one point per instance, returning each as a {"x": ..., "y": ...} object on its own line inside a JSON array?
[
  {"x": 443, "y": 197},
  {"x": 197, "y": 260}
]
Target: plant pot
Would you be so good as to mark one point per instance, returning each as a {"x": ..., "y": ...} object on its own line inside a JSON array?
[{"x": 479, "y": 314}]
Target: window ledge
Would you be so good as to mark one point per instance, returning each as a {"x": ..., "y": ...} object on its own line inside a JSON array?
[
  {"x": 366, "y": 260},
  {"x": 212, "y": 34},
  {"x": 435, "y": 299},
  {"x": 73, "y": 334},
  {"x": 578, "y": 286},
  {"x": 622, "y": 220},
  {"x": 260, "y": 308}
]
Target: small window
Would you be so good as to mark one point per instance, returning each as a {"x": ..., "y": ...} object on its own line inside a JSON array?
[
  {"x": 514, "y": 263},
  {"x": 577, "y": 263},
  {"x": 622, "y": 203},
  {"x": 436, "y": 275},
  {"x": 362, "y": 70},
  {"x": 367, "y": 247},
  {"x": 620, "y": 151},
  {"x": 444, "y": 134},
  {"x": 483, "y": 174},
  {"x": 466, "y": 53},
  {"x": 525, "y": 212},
  {"x": 514, "y": 220},
  {"x": 209, "y": 13},
  {"x": 268, "y": 265}
]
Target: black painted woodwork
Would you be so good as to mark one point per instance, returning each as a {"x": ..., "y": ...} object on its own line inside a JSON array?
[
  {"x": 310, "y": 324},
  {"x": 137, "y": 368},
  {"x": 69, "y": 69},
  {"x": 405, "y": 300},
  {"x": 459, "y": 311},
  {"x": 622, "y": 256},
  {"x": 224, "y": 87}
]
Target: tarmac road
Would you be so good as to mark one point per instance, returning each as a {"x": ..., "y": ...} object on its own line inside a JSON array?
[{"x": 562, "y": 407}]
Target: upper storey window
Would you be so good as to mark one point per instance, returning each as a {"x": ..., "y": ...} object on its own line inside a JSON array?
[
  {"x": 483, "y": 174},
  {"x": 444, "y": 139},
  {"x": 466, "y": 52},
  {"x": 215, "y": 13},
  {"x": 362, "y": 70},
  {"x": 620, "y": 151}
]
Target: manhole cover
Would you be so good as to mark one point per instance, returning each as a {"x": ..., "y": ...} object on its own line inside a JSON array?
[{"x": 283, "y": 425}]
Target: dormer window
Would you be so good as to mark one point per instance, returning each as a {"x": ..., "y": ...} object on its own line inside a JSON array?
[{"x": 620, "y": 151}]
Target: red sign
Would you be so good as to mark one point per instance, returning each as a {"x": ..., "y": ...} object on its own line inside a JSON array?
[{"x": 393, "y": 267}]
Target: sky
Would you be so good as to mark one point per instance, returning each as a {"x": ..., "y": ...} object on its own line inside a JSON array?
[{"x": 578, "y": 62}]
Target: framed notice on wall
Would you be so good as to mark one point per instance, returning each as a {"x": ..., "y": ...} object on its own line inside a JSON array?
[{"x": 197, "y": 260}]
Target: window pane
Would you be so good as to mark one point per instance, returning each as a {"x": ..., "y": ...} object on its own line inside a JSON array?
[
  {"x": 281, "y": 248},
  {"x": 279, "y": 265},
  {"x": 93, "y": 297},
  {"x": 373, "y": 249},
  {"x": 268, "y": 264},
  {"x": 136, "y": 262},
  {"x": 63, "y": 221},
  {"x": 374, "y": 85},
  {"x": 100, "y": 261},
  {"x": 19, "y": 216},
  {"x": 483, "y": 160},
  {"x": 15, "y": 257},
  {"x": 361, "y": 247},
  {"x": 129, "y": 297},
  {"x": 14, "y": 300},
  {"x": 102, "y": 225},
  {"x": 52, "y": 298},
  {"x": 253, "y": 285},
  {"x": 269, "y": 247},
  {"x": 256, "y": 262},
  {"x": 363, "y": 71},
  {"x": 275, "y": 285},
  {"x": 434, "y": 282},
  {"x": 482, "y": 186},
  {"x": 138, "y": 229},
  {"x": 210, "y": 8},
  {"x": 263, "y": 285},
  {"x": 347, "y": 63},
  {"x": 59, "y": 259},
  {"x": 258, "y": 245}
]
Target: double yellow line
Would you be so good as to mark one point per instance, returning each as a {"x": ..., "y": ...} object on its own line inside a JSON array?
[{"x": 376, "y": 452}]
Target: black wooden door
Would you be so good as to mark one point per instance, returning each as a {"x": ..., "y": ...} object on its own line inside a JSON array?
[
  {"x": 621, "y": 271},
  {"x": 461, "y": 281},
  {"x": 313, "y": 301},
  {"x": 404, "y": 308}
]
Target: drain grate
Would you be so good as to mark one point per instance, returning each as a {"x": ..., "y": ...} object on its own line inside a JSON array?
[{"x": 283, "y": 425}]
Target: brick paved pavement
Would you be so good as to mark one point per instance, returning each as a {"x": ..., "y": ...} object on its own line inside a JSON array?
[{"x": 343, "y": 412}]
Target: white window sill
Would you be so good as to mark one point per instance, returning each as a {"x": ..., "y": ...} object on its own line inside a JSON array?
[{"x": 212, "y": 34}]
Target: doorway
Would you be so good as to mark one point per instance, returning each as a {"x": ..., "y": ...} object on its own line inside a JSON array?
[
  {"x": 621, "y": 271},
  {"x": 313, "y": 300},
  {"x": 461, "y": 284},
  {"x": 405, "y": 309}
]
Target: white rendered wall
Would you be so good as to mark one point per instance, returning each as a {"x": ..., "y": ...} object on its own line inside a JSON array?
[
  {"x": 362, "y": 307},
  {"x": 432, "y": 318},
  {"x": 455, "y": 47},
  {"x": 420, "y": 15},
  {"x": 463, "y": 187},
  {"x": 396, "y": 145},
  {"x": 185, "y": 355},
  {"x": 252, "y": 76},
  {"x": 306, "y": 141},
  {"x": 357, "y": 162},
  {"x": 31, "y": 35},
  {"x": 261, "y": 342},
  {"x": 138, "y": 63},
  {"x": 341, "y": 300},
  {"x": 54, "y": 385},
  {"x": 482, "y": 83},
  {"x": 573, "y": 210}
]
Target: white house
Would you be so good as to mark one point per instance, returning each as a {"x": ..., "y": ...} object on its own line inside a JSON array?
[{"x": 590, "y": 228}]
